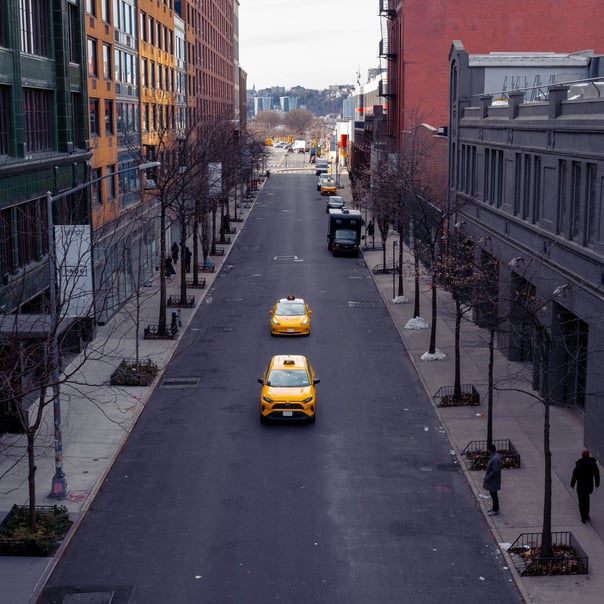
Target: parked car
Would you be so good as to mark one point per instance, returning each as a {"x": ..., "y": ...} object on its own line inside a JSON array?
[{"x": 334, "y": 202}]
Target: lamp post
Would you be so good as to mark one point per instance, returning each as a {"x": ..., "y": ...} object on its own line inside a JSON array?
[{"x": 59, "y": 482}]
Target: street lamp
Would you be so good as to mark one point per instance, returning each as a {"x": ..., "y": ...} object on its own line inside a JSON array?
[{"x": 59, "y": 482}]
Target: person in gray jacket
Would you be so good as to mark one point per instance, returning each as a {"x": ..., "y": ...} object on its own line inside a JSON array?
[{"x": 492, "y": 478}]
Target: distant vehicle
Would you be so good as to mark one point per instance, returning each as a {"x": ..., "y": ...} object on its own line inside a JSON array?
[
  {"x": 301, "y": 146},
  {"x": 328, "y": 186},
  {"x": 334, "y": 202},
  {"x": 322, "y": 177},
  {"x": 321, "y": 166},
  {"x": 344, "y": 234}
]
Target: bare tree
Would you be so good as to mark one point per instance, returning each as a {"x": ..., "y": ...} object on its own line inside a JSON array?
[{"x": 298, "y": 120}]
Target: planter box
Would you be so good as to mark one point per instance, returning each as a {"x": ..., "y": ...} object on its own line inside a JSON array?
[
  {"x": 445, "y": 397},
  {"x": 201, "y": 283},
  {"x": 176, "y": 302},
  {"x": 476, "y": 455},
  {"x": 206, "y": 268},
  {"x": 569, "y": 557},
  {"x": 151, "y": 332},
  {"x": 16, "y": 538},
  {"x": 129, "y": 373}
]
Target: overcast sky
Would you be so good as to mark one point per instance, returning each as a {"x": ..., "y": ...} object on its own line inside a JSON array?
[{"x": 311, "y": 43}]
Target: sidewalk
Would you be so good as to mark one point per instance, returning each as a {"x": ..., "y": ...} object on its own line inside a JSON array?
[
  {"x": 517, "y": 417},
  {"x": 97, "y": 420}
]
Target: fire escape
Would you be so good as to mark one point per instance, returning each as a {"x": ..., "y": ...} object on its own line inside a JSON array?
[{"x": 387, "y": 53}]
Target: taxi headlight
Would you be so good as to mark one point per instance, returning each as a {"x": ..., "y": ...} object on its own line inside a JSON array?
[
  {"x": 267, "y": 399},
  {"x": 305, "y": 321},
  {"x": 308, "y": 399},
  {"x": 275, "y": 321}
]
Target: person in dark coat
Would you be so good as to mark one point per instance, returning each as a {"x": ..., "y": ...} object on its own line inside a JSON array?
[
  {"x": 492, "y": 478},
  {"x": 169, "y": 267},
  {"x": 188, "y": 256},
  {"x": 585, "y": 475},
  {"x": 175, "y": 252}
]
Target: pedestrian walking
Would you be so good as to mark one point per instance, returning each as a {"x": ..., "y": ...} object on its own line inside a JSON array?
[
  {"x": 169, "y": 267},
  {"x": 188, "y": 255},
  {"x": 175, "y": 252},
  {"x": 369, "y": 233},
  {"x": 492, "y": 478},
  {"x": 585, "y": 475}
]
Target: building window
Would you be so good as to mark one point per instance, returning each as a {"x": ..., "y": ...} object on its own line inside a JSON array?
[
  {"x": 95, "y": 187},
  {"x": 94, "y": 116},
  {"x": 537, "y": 190},
  {"x": 92, "y": 58},
  {"x": 110, "y": 182},
  {"x": 5, "y": 131},
  {"x": 106, "y": 11},
  {"x": 591, "y": 184},
  {"x": 107, "y": 61},
  {"x": 562, "y": 197},
  {"x": 91, "y": 7},
  {"x": 575, "y": 202},
  {"x": 527, "y": 182},
  {"x": 108, "y": 116},
  {"x": 73, "y": 18},
  {"x": 144, "y": 67},
  {"x": 37, "y": 120},
  {"x": 34, "y": 21}
]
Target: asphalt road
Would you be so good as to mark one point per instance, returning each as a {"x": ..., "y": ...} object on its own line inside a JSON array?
[{"x": 206, "y": 505}]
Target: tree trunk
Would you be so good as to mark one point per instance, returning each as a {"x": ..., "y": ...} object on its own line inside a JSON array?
[
  {"x": 161, "y": 323},
  {"x": 457, "y": 383},
  {"x": 31, "y": 477},
  {"x": 490, "y": 386},
  {"x": 432, "y": 348},
  {"x": 400, "y": 262},
  {"x": 416, "y": 305},
  {"x": 183, "y": 264},
  {"x": 546, "y": 534}
]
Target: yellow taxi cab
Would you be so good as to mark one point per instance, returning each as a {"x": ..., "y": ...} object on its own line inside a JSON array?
[
  {"x": 328, "y": 187},
  {"x": 290, "y": 317},
  {"x": 288, "y": 389}
]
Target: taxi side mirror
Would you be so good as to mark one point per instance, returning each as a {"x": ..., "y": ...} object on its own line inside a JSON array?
[
  {"x": 260, "y": 381},
  {"x": 315, "y": 382}
]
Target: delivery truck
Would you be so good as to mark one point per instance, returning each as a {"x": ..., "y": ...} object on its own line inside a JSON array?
[{"x": 344, "y": 234}]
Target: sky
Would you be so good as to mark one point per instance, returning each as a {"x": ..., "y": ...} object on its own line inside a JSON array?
[{"x": 310, "y": 43}]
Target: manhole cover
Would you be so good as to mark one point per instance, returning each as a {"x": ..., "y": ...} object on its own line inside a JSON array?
[{"x": 180, "y": 382}]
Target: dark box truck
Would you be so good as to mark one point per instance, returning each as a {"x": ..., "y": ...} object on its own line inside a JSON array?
[{"x": 344, "y": 234}]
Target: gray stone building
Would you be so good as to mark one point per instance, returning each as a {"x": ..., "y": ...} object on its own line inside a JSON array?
[{"x": 525, "y": 191}]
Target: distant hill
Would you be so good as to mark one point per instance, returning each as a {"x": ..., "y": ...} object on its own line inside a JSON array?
[{"x": 318, "y": 102}]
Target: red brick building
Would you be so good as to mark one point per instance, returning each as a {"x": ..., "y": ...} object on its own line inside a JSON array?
[{"x": 420, "y": 33}]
